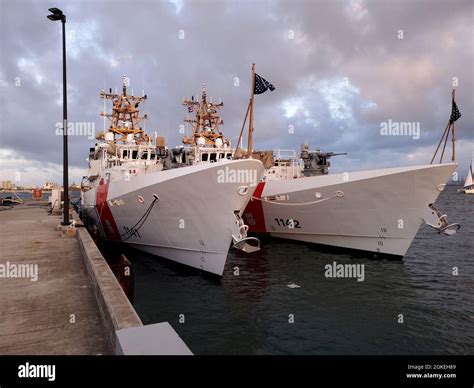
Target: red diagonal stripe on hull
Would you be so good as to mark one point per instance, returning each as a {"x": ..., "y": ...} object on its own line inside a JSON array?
[
  {"x": 105, "y": 215},
  {"x": 253, "y": 213}
]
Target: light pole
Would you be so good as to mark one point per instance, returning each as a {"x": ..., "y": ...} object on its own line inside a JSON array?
[{"x": 57, "y": 14}]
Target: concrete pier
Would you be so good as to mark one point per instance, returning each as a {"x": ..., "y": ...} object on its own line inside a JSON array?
[
  {"x": 59, "y": 296},
  {"x": 57, "y": 313}
]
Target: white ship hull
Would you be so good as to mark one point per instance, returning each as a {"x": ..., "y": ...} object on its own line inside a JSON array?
[
  {"x": 378, "y": 211},
  {"x": 192, "y": 221}
]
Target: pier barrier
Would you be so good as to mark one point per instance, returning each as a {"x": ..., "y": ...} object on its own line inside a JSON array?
[
  {"x": 126, "y": 332},
  {"x": 116, "y": 310}
]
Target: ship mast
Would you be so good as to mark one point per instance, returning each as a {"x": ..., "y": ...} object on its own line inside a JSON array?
[
  {"x": 252, "y": 97},
  {"x": 125, "y": 117},
  {"x": 450, "y": 129},
  {"x": 259, "y": 86},
  {"x": 206, "y": 124}
]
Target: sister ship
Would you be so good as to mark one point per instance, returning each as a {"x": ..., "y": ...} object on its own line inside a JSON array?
[
  {"x": 139, "y": 193},
  {"x": 377, "y": 211}
]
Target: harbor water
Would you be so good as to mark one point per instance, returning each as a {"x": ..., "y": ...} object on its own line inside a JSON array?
[{"x": 421, "y": 305}]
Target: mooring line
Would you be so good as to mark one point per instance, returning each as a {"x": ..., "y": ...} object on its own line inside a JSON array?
[{"x": 135, "y": 228}]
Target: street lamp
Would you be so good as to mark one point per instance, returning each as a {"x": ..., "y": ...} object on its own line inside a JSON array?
[{"x": 57, "y": 14}]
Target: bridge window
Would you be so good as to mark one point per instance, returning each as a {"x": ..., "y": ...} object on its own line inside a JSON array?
[
  {"x": 204, "y": 157},
  {"x": 213, "y": 157}
]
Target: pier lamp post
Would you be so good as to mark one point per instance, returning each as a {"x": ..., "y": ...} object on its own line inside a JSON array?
[{"x": 57, "y": 14}]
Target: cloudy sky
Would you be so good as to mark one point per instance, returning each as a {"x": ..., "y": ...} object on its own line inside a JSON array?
[{"x": 341, "y": 69}]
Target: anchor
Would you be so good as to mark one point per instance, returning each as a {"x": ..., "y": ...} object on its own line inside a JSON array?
[
  {"x": 242, "y": 242},
  {"x": 439, "y": 221}
]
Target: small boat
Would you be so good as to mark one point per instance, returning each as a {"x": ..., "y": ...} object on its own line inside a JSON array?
[
  {"x": 11, "y": 199},
  {"x": 468, "y": 184}
]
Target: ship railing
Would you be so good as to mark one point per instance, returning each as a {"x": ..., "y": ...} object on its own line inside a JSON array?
[
  {"x": 285, "y": 154},
  {"x": 287, "y": 162},
  {"x": 204, "y": 148}
]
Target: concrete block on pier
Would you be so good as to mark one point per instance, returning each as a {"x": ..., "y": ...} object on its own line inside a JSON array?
[{"x": 155, "y": 339}]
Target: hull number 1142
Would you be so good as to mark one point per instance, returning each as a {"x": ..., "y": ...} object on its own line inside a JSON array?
[{"x": 289, "y": 223}]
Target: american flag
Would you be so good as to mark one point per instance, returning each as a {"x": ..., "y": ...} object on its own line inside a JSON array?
[
  {"x": 262, "y": 85},
  {"x": 190, "y": 108},
  {"x": 455, "y": 114}
]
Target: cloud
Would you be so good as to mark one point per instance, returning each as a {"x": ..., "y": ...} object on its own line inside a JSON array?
[
  {"x": 339, "y": 69},
  {"x": 25, "y": 172}
]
